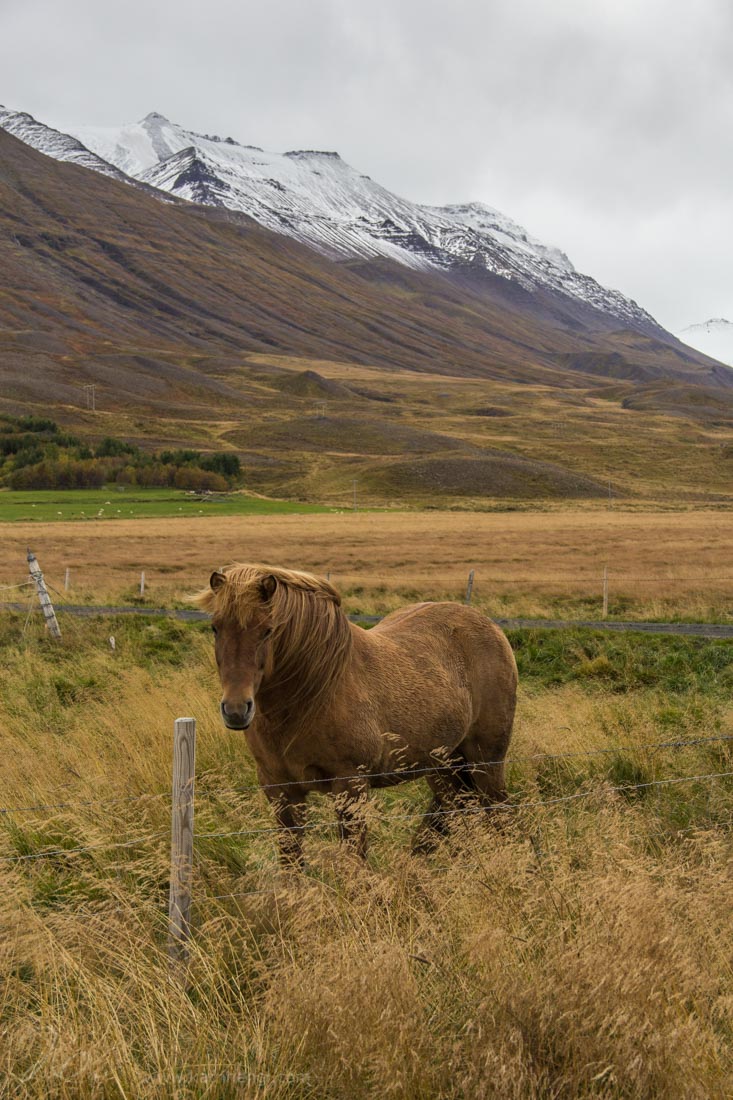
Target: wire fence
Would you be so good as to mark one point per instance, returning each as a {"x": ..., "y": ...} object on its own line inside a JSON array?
[
  {"x": 586, "y": 584},
  {"x": 185, "y": 855},
  {"x": 396, "y": 774}
]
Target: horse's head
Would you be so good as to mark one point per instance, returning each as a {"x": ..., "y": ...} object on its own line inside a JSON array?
[
  {"x": 242, "y": 652},
  {"x": 279, "y": 632}
]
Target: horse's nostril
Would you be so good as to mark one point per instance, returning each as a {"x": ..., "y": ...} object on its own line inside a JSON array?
[{"x": 239, "y": 716}]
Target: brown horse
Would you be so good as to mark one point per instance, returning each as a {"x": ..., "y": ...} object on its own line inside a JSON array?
[{"x": 329, "y": 706}]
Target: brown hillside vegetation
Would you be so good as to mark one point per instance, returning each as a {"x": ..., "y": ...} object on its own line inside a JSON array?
[
  {"x": 87, "y": 260},
  {"x": 201, "y": 328}
]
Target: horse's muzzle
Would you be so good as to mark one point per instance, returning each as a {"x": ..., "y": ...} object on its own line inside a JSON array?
[{"x": 238, "y": 719}]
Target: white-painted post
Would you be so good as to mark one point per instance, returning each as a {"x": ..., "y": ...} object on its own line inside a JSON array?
[
  {"x": 469, "y": 588},
  {"x": 45, "y": 600},
  {"x": 605, "y": 592},
  {"x": 179, "y": 903},
  {"x": 67, "y": 575},
  {"x": 142, "y": 583}
]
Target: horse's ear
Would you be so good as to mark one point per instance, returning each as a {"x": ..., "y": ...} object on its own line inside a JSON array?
[
  {"x": 216, "y": 580},
  {"x": 268, "y": 585}
]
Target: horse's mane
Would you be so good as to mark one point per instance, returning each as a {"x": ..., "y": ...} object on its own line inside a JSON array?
[{"x": 311, "y": 635}]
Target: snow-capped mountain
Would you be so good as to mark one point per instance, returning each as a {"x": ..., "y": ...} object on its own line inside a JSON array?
[
  {"x": 321, "y": 201},
  {"x": 54, "y": 143},
  {"x": 713, "y": 338}
]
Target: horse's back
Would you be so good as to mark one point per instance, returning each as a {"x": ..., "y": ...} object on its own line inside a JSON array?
[
  {"x": 455, "y": 620},
  {"x": 455, "y": 631}
]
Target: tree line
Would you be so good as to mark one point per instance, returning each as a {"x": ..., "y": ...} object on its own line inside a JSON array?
[{"x": 36, "y": 454}]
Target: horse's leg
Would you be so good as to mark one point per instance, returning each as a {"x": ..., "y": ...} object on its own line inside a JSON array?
[
  {"x": 484, "y": 750},
  {"x": 290, "y": 815},
  {"x": 350, "y": 796},
  {"x": 435, "y": 822}
]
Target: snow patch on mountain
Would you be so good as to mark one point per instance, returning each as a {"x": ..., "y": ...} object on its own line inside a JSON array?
[
  {"x": 713, "y": 338},
  {"x": 54, "y": 143}
]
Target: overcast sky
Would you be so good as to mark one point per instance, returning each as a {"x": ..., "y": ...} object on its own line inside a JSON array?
[{"x": 603, "y": 126}]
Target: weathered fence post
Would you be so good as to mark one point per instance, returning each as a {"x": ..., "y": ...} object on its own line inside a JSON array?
[
  {"x": 605, "y": 592},
  {"x": 179, "y": 904},
  {"x": 142, "y": 583},
  {"x": 469, "y": 589},
  {"x": 45, "y": 600},
  {"x": 67, "y": 576}
]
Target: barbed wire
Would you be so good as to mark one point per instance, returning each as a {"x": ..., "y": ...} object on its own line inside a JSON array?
[
  {"x": 671, "y": 833},
  {"x": 405, "y": 774},
  {"x": 85, "y": 848},
  {"x": 5, "y": 810},
  {"x": 468, "y": 810},
  {"x": 494, "y": 808},
  {"x": 8, "y": 587},
  {"x": 466, "y": 766}
]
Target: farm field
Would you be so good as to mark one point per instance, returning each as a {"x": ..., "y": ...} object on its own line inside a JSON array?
[
  {"x": 661, "y": 565},
  {"x": 51, "y": 506},
  {"x": 582, "y": 950}
]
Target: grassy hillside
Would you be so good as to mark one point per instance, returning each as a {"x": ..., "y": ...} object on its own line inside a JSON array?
[
  {"x": 582, "y": 950},
  {"x": 308, "y": 434}
]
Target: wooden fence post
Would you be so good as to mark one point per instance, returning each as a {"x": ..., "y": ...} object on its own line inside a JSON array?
[
  {"x": 45, "y": 600},
  {"x": 605, "y": 592},
  {"x": 469, "y": 589},
  {"x": 142, "y": 583},
  {"x": 179, "y": 904},
  {"x": 67, "y": 577}
]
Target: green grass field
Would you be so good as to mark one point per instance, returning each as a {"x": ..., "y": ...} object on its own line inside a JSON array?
[{"x": 115, "y": 503}]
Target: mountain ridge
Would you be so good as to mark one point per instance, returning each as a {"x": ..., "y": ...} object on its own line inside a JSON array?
[{"x": 315, "y": 197}]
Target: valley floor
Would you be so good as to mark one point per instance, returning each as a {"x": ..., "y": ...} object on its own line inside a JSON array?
[{"x": 527, "y": 564}]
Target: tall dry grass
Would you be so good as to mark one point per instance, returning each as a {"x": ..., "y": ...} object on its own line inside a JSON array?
[{"x": 582, "y": 950}]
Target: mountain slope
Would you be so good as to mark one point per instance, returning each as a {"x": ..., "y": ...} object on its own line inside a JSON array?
[
  {"x": 713, "y": 338},
  {"x": 87, "y": 259},
  {"x": 321, "y": 201},
  {"x": 199, "y": 327},
  {"x": 54, "y": 143}
]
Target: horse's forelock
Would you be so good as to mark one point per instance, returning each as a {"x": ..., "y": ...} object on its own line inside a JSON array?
[{"x": 296, "y": 598}]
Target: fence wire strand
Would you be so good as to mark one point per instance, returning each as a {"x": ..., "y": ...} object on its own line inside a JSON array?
[
  {"x": 7, "y": 810},
  {"x": 396, "y": 773},
  {"x": 495, "y": 808},
  {"x": 407, "y": 773},
  {"x": 109, "y": 846}
]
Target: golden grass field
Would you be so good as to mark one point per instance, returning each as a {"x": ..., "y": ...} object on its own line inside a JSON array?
[
  {"x": 660, "y": 564},
  {"x": 582, "y": 951}
]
